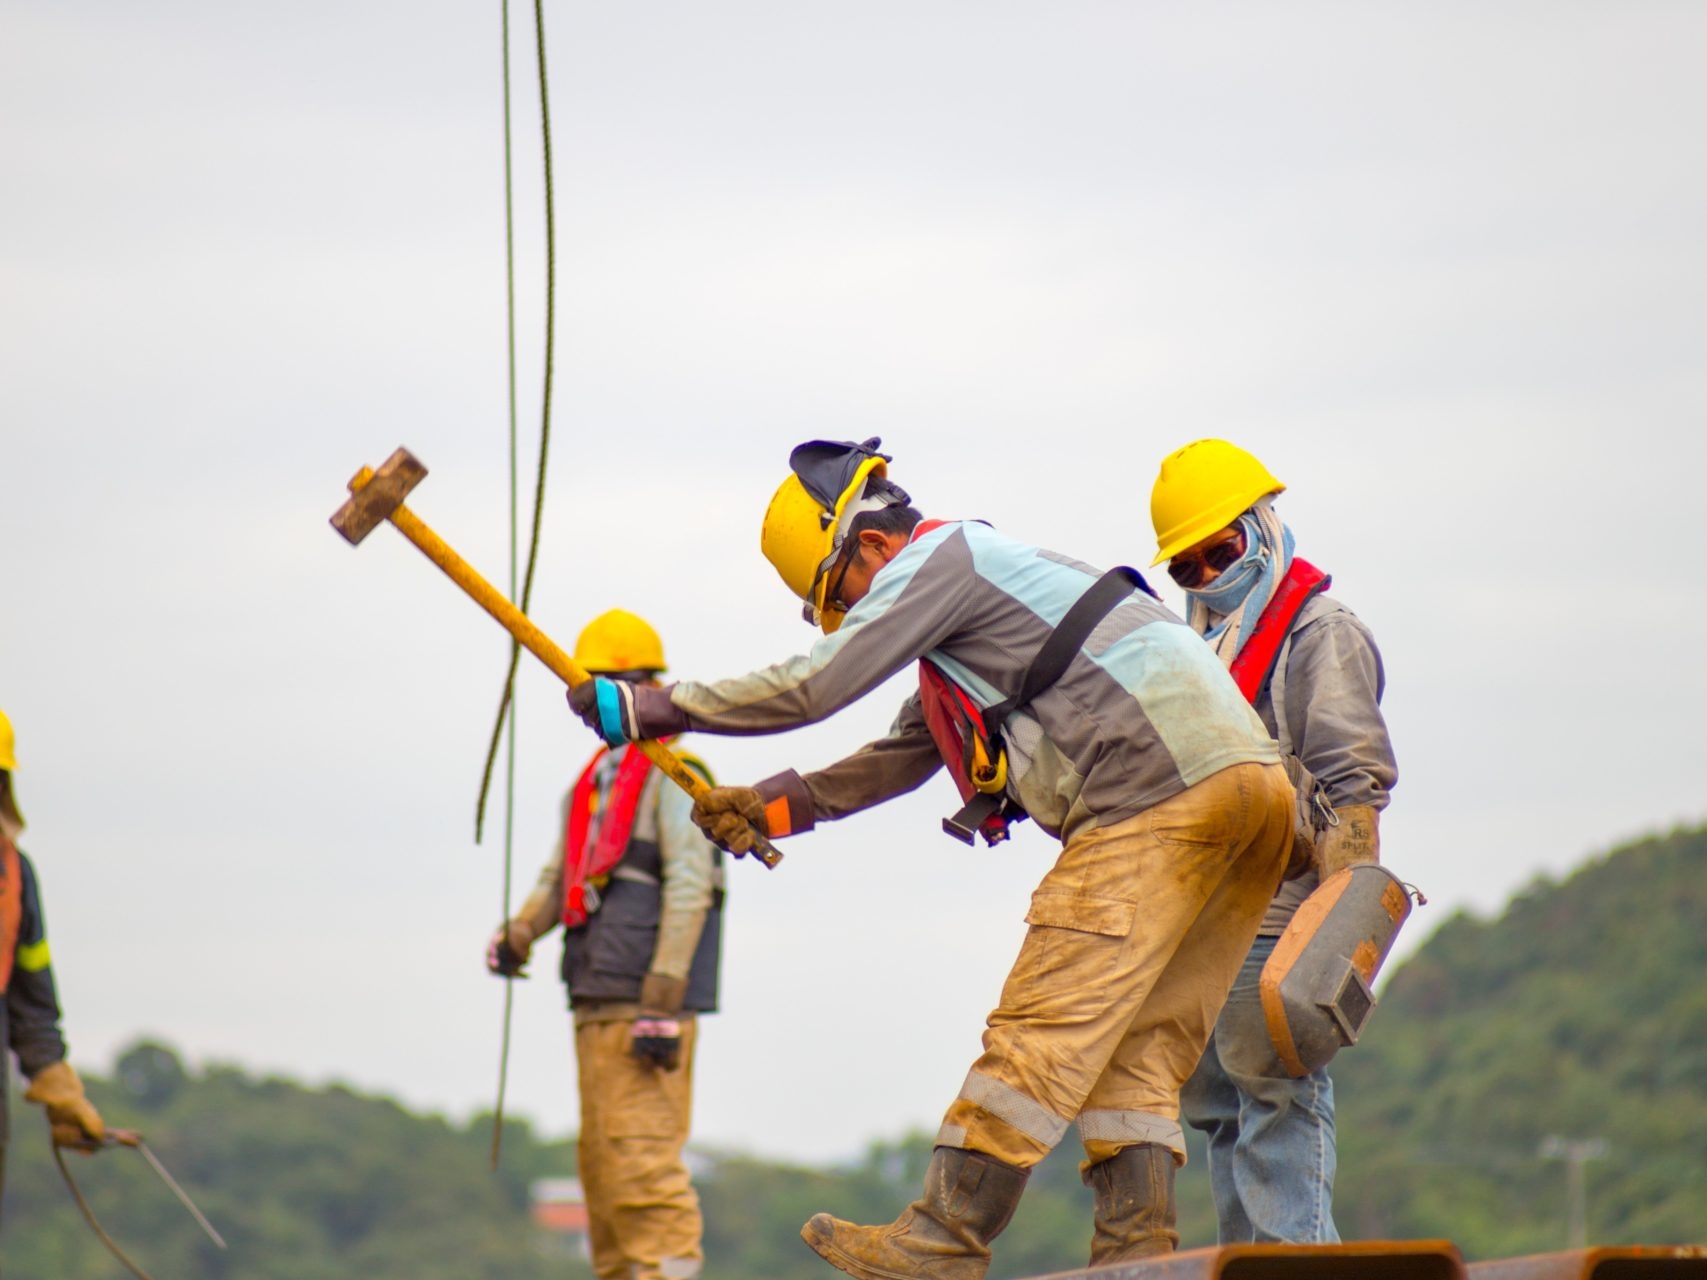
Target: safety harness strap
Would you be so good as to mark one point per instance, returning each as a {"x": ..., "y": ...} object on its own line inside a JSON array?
[
  {"x": 989, "y": 812},
  {"x": 1257, "y": 657}
]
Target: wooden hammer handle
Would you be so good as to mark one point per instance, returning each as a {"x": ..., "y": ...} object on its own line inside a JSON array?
[{"x": 545, "y": 649}]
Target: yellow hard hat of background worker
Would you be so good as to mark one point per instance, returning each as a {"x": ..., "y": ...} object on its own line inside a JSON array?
[
  {"x": 618, "y": 640},
  {"x": 8, "y": 762},
  {"x": 809, "y": 515},
  {"x": 1201, "y": 490}
]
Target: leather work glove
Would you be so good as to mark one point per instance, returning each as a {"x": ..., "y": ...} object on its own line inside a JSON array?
[
  {"x": 73, "y": 1117},
  {"x": 728, "y": 816},
  {"x": 1357, "y": 838},
  {"x": 657, "y": 1036},
  {"x": 606, "y": 707},
  {"x": 508, "y": 950}
]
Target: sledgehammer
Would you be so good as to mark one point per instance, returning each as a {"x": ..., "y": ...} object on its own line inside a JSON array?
[{"x": 377, "y": 496}]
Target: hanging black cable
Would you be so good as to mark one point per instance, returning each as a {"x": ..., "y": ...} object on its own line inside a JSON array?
[{"x": 506, "y": 710}]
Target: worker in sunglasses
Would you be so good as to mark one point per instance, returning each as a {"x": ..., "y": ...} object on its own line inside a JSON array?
[
  {"x": 1051, "y": 692},
  {"x": 1311, "y": 669}
]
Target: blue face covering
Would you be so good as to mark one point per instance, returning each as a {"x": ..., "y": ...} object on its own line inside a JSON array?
[{"x": 1268, "y": 554}]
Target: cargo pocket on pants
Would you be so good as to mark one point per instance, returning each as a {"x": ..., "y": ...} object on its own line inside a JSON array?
[{"x": 1109, "y": 917}]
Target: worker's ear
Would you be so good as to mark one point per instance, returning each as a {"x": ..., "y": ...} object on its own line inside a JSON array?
[{"x": 882, "y": 543}]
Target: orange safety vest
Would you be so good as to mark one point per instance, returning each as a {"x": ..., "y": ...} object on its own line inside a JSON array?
[
  {"x": 588, "y": 854},
  {"x": 11, "y": 908}
]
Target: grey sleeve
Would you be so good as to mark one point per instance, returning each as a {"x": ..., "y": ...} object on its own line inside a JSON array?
[
  {"x": 895, "y": 764},
  {"x": 917, "y": 601},
  {"x": 1334, "y": 682},
  {"x": 689, "y": 867}
]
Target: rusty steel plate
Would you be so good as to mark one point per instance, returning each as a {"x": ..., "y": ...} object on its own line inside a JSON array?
[
  {"x": 1631, "y": 1262},
  {"x": 1361, "y": 1260}
]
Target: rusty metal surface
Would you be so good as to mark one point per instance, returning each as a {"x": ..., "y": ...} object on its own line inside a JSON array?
[
  {"x": 1632, "y": 1262},
  {"x": 1362, "y": 1260}
]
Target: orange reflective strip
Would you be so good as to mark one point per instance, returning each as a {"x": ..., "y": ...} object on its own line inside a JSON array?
[{"x": 777, "y": 818}]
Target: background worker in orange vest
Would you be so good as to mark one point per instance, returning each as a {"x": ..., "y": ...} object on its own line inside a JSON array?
[
  {"x": 1313, "y": 672},
  {"x": 639, "y": 890},
  {"x": 29, "y": 1007}
]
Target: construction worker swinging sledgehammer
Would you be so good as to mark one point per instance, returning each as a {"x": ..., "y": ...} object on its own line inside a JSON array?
[{"x": 1050, "y": 692}]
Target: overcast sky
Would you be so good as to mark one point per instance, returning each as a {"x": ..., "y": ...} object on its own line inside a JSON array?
[{"x": 1441, "y": 266}]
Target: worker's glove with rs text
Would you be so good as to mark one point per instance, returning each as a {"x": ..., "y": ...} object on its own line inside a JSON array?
[
  {"x": 73, "y": 1117},
  {"x": 729, "y": 815},
  {"x": 656, "y": 1040},
  {"x": 507, "y": 952},
  {"x": 607, "y": 708},
  {"x": 1355, "y": 838}
]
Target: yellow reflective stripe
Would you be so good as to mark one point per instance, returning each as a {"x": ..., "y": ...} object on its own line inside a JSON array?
[{"x": 33, "y": 957}]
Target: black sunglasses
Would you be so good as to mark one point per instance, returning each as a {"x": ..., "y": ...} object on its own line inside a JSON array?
[{"x": 1188, "y": 569}]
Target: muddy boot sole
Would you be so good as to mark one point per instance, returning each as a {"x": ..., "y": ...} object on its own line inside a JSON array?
[{"x": 820, "y": 1236}]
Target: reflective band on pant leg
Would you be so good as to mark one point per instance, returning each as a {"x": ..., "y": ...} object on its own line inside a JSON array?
[
  {"x": 1129, "y": 1128},
  {"x": 1013, "y": 1108}
]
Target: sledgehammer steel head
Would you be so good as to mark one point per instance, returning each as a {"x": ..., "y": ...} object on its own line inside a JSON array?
[{"x": 372, "y": 503}]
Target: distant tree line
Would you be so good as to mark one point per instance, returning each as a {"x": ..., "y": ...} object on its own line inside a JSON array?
[{"x": 1580, "y": 1014}]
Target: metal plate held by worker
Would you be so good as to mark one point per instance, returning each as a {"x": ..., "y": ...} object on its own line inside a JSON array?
[
  {"x": 1317, "y": 990},
  {"x": 1362, "y": 1260},
  {"x": 1628, "y": 1262}
]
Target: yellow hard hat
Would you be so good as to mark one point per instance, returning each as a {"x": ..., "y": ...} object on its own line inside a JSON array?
[
  {"x": 8, "y": 762},
  {"x": 1203, "y": 488},
  {"x": 618, "y": 640},
  {"x": 809, "y": 515}
]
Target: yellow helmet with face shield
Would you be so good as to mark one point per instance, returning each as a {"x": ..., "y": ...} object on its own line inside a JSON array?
[{"x": 807, "y": 521}]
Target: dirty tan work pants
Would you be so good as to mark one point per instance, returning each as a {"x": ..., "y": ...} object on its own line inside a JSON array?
[
  {"x": 643, "y": 1214},
  {"x": 1136, "y": 935}
]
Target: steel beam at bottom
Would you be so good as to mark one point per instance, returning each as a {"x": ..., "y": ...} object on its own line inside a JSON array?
[
  {"x": 1361, "y": 1260},
  {"x": 1633, "y": 1262}
]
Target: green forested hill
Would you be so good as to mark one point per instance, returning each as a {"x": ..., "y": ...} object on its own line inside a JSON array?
[{"x": 1580, "y": 1014}]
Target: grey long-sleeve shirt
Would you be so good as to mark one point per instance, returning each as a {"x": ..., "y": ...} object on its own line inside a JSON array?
[
  {"x": 1332, "y": 695},
  {"x": 1143, "y": 711}
]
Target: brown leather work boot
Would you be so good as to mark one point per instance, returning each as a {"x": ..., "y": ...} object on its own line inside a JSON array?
[
  {"x": 943, "y": 1235},
  {"x": 1134, "y": 1204}
]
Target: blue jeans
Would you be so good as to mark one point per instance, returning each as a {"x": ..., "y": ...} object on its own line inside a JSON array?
[{"x": 1271, "y": 1138}]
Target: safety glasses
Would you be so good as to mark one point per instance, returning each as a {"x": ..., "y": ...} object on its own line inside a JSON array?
[
  {"x": 837, "y": 563},
  {"x": 833, "y": 593},
  {"x": 1189, "y": 568}
]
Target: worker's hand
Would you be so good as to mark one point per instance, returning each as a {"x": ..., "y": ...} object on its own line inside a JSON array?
[
  {"x": 73, "y": 1118},
  {"x": 729, "y": 815},
  {"x": 1355, "y": 838},
  {"x": 662, "y": 996},
  {"x": 509, "y": 948},
  {"x": 657, "y": 1042},
  {"x": 606, "y": 707}
]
